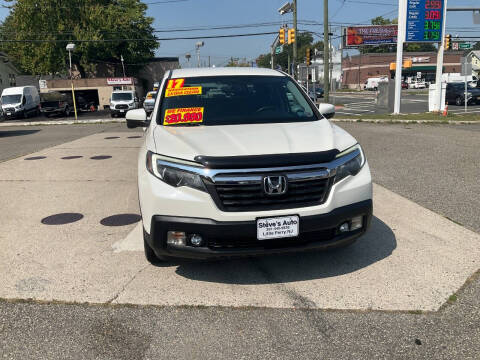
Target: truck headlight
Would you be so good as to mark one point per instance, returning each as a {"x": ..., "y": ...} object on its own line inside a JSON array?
[
  {"x": 353, "y": 165},
  {"x": 171, "y": 174}
]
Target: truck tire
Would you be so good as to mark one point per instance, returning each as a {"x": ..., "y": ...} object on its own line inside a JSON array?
[
  {"x": 458, "y": 101},
  {"x": 67, "y": 111}
]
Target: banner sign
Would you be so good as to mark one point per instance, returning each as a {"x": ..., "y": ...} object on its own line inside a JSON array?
[
  {"x": 424, "y": 20},
  {"x": 120, "y": 81},
  {"x": 371, "y": 35}
]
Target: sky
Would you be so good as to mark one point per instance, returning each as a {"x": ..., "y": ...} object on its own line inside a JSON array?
[{"x": 209, "y": 13}]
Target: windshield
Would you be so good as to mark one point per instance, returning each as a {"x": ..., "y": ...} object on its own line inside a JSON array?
[
  {"x": 231, "y": 100},
  {"x": 11, "y": 99},
  {"x": 122, "y": 96}
]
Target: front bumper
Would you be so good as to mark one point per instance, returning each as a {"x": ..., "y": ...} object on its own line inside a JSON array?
[{"x": 239, "y": 238}]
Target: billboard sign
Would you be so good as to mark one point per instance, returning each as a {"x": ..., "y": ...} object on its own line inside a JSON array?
[
  {"x": 120, "y": 81},
  {"x": 424, "y": 21},
  {"x": 371, "y": 35}
]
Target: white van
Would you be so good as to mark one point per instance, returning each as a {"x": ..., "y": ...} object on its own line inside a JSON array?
[
  {"x": 372, "y": 83},
  {"x": 20, "y": 102},
  {"x": 122, "y": 101}
]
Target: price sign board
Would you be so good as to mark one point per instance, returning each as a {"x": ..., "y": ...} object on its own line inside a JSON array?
[{"x": 424, "y": 20}]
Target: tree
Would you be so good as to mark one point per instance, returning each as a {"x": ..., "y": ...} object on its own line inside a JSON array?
[
  {"x": 37, "y": 32},
  {"x": 304, "y": 40},
  {"x": 411, "y": 47}
]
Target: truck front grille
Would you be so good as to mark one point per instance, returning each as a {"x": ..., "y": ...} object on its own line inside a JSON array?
[
  {"x": 121, "y": 107},
  {"x": 238, "y": 194}
]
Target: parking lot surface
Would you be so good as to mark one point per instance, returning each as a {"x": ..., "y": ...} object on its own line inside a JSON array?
[
  {"x": 72, "y": 234},
  {"x": 363, "y": 103}
]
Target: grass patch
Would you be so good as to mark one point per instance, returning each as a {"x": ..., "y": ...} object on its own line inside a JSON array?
[
  {"x": 452, "y": 298},
  {"x": 415, "y": 117}
]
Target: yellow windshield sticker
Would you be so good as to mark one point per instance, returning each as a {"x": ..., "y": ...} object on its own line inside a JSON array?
[
  {"x": 175, "y": 83},
  {"x": 183, "y": 116},
  {"x": 194, "y": 90}
]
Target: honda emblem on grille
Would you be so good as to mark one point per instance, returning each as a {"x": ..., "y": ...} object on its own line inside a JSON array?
[{"x": 275, "y": 185}]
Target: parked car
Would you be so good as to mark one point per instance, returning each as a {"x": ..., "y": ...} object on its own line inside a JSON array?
[
  {"x": 319, "y": 92},
  {"x": 240, "y": 162},
  {"x": 418, "y": 85},
  {"x": 56, "y": 103},
  {"x": 404, "y": 85},
  {"x": 311, "y": 93},
  {"x": 455, "y": 94},
  {"x": 20, "y": 102},
  {"x": 122, "y": 101},
  {"x": 149, "y": 102}
]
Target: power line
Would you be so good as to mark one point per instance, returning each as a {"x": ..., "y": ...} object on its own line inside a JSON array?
[{"x": 137, "y": 39}]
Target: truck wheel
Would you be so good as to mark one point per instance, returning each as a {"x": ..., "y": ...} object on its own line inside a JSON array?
[
  {"x": 112, "y": 115},
  {"x": 149, "y": 254},
  {"x": 458, "y": 101},
  {"x": 67, "y": 111}
]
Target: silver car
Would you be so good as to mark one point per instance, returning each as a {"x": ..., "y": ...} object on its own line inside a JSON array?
[{"x": 149, "y": 103}]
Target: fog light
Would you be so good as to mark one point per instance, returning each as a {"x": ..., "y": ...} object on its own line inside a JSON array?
[
  {"x": 176, "y": 238},
  {"x": 357, "y": 223},
  {"x": 196, "y": 240},
  {"x": 344, "y": 227}
]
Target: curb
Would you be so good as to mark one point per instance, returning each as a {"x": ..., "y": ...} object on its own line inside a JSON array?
[
  {"x": 400, "y": 121},
  {"x": 63, "y": 122}
]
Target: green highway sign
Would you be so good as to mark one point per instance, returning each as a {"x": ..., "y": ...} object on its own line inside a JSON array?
[
  {"x": 464, "y": 46},
  {"x": 278, "y": 49}
]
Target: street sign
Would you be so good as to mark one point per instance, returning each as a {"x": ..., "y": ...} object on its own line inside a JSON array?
[
  {"x": 278, "y": 49},
  {"x": 455, "y": 46},
  {"x": 465, "y": 46},
  {"x": 424, "y": 20}
]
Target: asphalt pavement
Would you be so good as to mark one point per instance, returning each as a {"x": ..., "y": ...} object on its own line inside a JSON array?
[
  {"x": 419, "y": 162},
  {"x": 412, "y": 102}
]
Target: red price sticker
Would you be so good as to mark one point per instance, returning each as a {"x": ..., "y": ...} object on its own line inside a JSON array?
[
  {"x": 194, "y": 90},
  {"x": 183, "y": 116},
  {"x": 175, "y": 83}
]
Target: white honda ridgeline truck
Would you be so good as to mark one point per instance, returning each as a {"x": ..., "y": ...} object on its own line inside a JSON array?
[{"x": 240, "y": 162}]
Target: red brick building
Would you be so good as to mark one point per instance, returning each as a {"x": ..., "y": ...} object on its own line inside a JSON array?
[{"x": 357, "y": 69}]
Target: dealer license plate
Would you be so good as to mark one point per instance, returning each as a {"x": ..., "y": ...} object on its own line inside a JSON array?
[
  {"x": 122, "y": 111},
  {"x": 277, "y": 227},
  {"x": 8, "y": 114}
]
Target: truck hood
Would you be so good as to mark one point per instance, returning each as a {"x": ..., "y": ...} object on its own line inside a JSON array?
[{"x": 258, "y": 139}]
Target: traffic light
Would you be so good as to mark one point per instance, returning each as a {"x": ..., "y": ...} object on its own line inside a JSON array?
[
  {"x": 291, "y": 36},
  {"x": 281, "y": 36},
  {"x": 309, "y": 53},
  {"x": 448, "y": 42}
]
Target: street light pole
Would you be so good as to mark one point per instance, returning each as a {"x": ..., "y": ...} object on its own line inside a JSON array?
[
  {"x": 326, "y": 53},
  {"x": 294, "y": 60},
  {"x": 70, "y": 48},
  {"x": 198, "y": 45}
]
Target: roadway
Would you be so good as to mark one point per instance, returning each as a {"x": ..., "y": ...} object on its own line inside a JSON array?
[{"x": 72, "y": 246}]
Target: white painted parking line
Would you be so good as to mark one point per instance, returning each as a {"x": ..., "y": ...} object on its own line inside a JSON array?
[{"x": 411, "y": 258}]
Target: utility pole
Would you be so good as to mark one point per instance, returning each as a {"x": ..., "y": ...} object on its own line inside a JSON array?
[
  {"x": 326, "y": 56},
  {"x": 437, "y": 104},
  {"x": 402, "y": 28},
  {"x": 294, "y": 60}
]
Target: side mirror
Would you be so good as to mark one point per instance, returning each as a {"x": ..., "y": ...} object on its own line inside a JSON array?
[
  {"x": 327, "y": 110},
  {"x": 136, "y": 99},
  {"x": 137, "y": 118}
]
